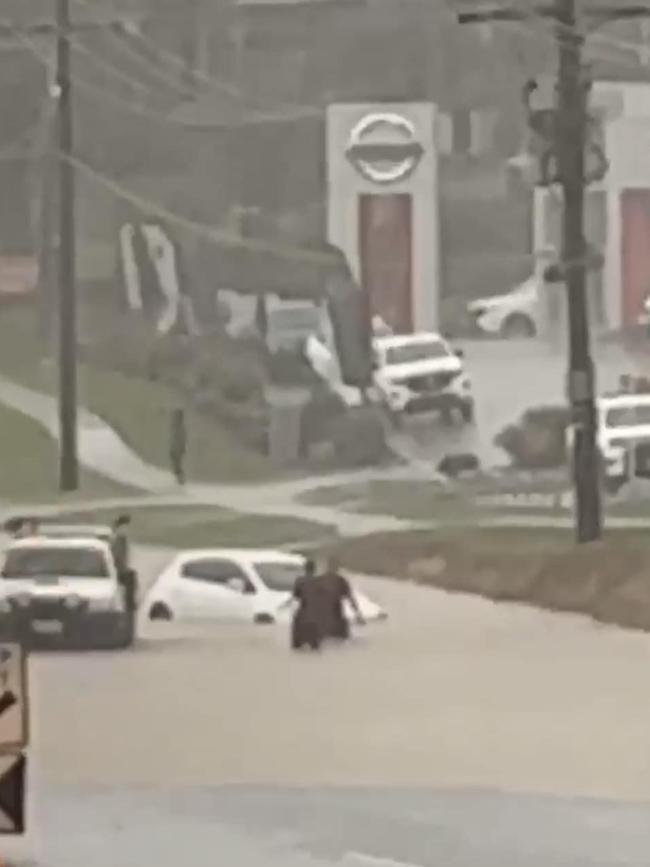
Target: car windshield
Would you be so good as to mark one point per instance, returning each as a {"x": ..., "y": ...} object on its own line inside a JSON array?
[
  {"x": 279, "y": 576},
  {"x": 68, "y": 562},
  {"x": 421, "y": 351},
  {"x": 628, "y": 416}
]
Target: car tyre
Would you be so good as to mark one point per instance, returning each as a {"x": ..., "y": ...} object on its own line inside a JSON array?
[
  {"x": 518, "y": 325},
  {"x": 160, "y": 611},
  {"x": 614, "y": 484},
  {"x": 127, "y": 638}
]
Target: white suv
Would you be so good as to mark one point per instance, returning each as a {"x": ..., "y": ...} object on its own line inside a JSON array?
[
  {"x": 66, "y": 591},
  {"x": 421, "y": 372}
]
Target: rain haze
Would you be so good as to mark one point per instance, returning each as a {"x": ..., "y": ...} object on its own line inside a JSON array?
[{"x": 324, "y": 433}]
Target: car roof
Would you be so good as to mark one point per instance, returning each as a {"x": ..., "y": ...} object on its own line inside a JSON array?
[
  {"x": 97, "y": 531},
  {"x": 391, "y": 341},
  {"x": 68, "y": 542},
  {"x": 246, "y": 555},
  {"x": 624, "y": 400}
]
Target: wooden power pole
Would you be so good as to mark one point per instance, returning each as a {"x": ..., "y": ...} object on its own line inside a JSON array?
[
  {"x": 67, "y": 294},
  {"x": 65, "y": 224},
  {"x": 569, "y": 146}
]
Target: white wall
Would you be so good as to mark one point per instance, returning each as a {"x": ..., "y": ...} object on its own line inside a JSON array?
[{"x": 346, "y": 184}]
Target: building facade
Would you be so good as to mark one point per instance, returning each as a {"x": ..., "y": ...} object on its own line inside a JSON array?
[{"x": 617, "y": 214}]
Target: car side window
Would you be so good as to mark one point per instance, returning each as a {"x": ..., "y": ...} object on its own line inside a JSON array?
[{"x": 214, "y": 571}]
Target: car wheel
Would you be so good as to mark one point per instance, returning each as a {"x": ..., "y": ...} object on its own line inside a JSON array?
[
  {"x": 614, "y": 484},
  {"x": 518, "y": 325},
  {"x": 126, "y": 638},
  {"x": 160, "y": 611},
  {"x": 263, "y": 619}
]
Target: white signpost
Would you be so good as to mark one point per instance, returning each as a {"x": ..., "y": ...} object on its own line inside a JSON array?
[
  {"x": 14, "y": 735},
  {"x": 14, "y": 727}
]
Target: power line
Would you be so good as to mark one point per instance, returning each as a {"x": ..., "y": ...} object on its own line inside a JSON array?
[
  {"x": 203, "y": 230},
  {"x": 119, "y": 40},
  {"x": 180, "y": 63},
  {"x": 108, "y": 67},
  {"x": 96, "y": 91}
]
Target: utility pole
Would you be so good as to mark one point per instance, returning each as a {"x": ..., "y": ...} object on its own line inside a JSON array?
[
  {"x": 571, "y": 145},
  {"x": 65, "y": 252},
  {"x": 570, "y": 141},
  {"x": 67, "y": 320}
]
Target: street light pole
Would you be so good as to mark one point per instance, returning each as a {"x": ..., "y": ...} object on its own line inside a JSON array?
[{"x": 67, "y": 330}]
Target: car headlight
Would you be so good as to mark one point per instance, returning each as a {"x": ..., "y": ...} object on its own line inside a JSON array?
[
  {"x": 614, "y": 451},
  {"x": 104, "y": 604},
  {"x": 72, "y": 601},
  {"x": 20, "y": 599},
  {"x": 461, "y": 382},
  {"x": 397, "y": 395}
]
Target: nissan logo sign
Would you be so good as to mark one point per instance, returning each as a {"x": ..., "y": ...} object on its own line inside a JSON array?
[{"x": 383, "y": 147}]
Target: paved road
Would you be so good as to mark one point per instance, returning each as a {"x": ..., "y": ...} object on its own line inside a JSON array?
[
  {"x": 261, "y": 827},
  {"x": 455, "y": 696}
]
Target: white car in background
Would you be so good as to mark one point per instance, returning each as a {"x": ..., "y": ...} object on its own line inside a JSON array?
[
  {"x": 247, "y": 585},
  {"x": 514, "y": 314},
  {"x": 421, "y": 372},
  {"x": 623, "y": 437}
]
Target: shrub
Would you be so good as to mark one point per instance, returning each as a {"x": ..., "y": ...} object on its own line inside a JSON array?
[
  {"x": 538, "y": 440},
  {"x": 359, "y": 438}
]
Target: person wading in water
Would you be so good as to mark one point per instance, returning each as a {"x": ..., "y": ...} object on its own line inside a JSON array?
[
  {"x": 336, "y": 590},
  {"x": 308, "y": 618}
]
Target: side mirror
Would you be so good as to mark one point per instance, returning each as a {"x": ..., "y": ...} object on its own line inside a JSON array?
[
  {"x": 237, "y": 585},
  {"x": 459, "y": 353}
]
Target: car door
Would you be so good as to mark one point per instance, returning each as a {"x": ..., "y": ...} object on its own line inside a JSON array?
[{"x": 207, "y": 592}]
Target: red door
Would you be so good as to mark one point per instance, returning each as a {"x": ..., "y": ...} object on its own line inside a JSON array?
[
  {"x": 385, "y": 246},
  {"x": 635, "y": 229}
]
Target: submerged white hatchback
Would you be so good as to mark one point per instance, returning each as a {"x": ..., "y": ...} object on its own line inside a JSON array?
[{"x": 248, "y": 585}]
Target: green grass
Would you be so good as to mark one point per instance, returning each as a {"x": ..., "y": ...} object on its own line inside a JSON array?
[
  {"x": 137, "y": 409},
  {"x": 201, "y": 526},
  {"x": 606, "y": 580},
  {"x": 408, "y": 501},
  {"x": 29, "y": 466}
]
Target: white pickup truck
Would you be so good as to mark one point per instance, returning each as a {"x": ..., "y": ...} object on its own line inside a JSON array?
[
  {"x": 66, "y": 591},
  {"x": 414, "y": 373}
]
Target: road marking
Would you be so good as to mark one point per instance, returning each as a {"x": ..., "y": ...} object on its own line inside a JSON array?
[{"x": 375, "y": 860}]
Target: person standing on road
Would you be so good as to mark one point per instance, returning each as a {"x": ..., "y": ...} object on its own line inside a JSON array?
[
  {"x": 178, "y": 445},
  {"x": 336, "y": 592},
  {"x": 121, "y": 550},
  {"x": 120, "y": 545},
  {"x": 307, "y": 623}
]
